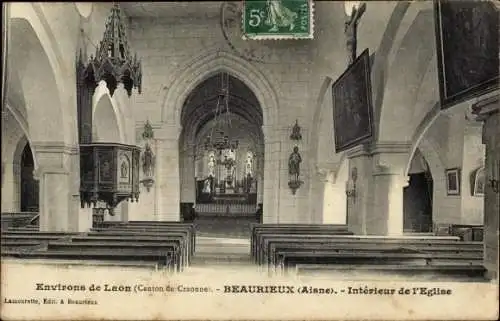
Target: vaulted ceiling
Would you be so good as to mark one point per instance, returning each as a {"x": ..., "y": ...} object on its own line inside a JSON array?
[{"x": 199, "y": 107}]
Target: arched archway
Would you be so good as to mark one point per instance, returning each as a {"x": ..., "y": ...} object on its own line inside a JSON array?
[
  {"x": 47, "y": 89},
  {"x": 418, "y": 196},
  {"x": 29, "y": 186},
  {"x": 213, "y": 174},
  {"x": 202, "y": 68},
  {"x": 14, "y": 140},
  {"x": 40, "y": 84},
  {"x": 412, "y": 65}
]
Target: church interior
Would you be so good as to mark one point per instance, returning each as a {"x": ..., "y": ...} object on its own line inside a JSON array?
[{"x": 154, "y": 134}]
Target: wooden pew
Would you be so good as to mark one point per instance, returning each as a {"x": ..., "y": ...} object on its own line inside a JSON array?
[
  {"x": 258, "y": 231},
  {"x": 453, "y": 270},
  {"x": 467, "y": 232},
  {"x": 142, "y": 240},
  {"x": 154, "y": 226},
  {"x": 30, "y": 228},
  {"x": 181, "y": 234},
  {"x": 160, "y": 257},
  {"x": 340, "y": 246},
  {"x": 288, "y": 259},
  {"x": 96, "y": 238},
  {"x": 38, "y": 233},
  {"x": 264, "y": 239},
  {"x": 172, "y": 249},
  {"x": 283, "y": 251},
  {"x": 15, "y": 219},
  {"x": 13, "y": 238},
  {"x": 135, "y": 236},
  {"x": 321, "y": 239}
]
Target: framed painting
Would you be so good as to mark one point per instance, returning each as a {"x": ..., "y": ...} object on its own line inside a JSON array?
[
  {"x": 453, "y": 181},
  {"x": 352, "y": 105},
  {"x": 467, "y": 49}
]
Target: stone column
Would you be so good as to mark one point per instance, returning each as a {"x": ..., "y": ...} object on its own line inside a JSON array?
[
  {"x": 389, "y": 179},
  {"x": 358, "y": 207},
  {"x": 58, "y": 174},
  {"x": 258, "y": 172},
  {"x": 272, "y": 169},
  {"x": 487, "y": 111},
  {"x": 11, "y": 187},
  {"x": 187, "y": 167},
  {"x": 167, "y": 173},
  {"x": 317, "y": 194}
]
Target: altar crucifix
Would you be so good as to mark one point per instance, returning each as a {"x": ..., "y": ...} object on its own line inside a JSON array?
[{"x": 354, "y": 10}]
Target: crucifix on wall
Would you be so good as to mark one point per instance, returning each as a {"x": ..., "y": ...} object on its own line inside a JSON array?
[{"x": 354, "y": 11}]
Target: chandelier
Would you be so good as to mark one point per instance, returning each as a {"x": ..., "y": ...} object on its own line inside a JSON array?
[
  {"x": 113, "y": 61},
  {"x": 218, "y": 140}
]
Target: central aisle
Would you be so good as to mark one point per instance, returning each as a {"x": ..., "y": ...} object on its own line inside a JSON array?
[{"x": 222, "y": 251}]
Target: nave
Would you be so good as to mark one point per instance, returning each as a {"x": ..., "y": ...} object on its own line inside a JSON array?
[{"x": 153, "y": 138}]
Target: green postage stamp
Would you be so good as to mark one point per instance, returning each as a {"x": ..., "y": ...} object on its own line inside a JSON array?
[{"x": 278, "y": 19}]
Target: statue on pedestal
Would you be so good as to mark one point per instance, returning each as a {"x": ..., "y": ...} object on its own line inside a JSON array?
[
  {"x": 294, "y": 164},
  {"x": 148, "y": 161},
  {"x": 294, "y": 170}
]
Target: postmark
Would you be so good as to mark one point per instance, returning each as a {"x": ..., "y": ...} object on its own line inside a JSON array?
[{"x": 278, "y": 19}]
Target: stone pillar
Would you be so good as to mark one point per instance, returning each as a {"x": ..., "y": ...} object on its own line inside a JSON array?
[
  {"x": 259, "y": 171},
  {"x": 187, "y": 167},
  {"x": 358, "y": 207},
  {"x": 272, "y": 169},
  {"x": 11, "y": 187},
  {"x": 317, "y": 194},
  {"x": 59, "y": 176},
  {"x": 389, "y": 179},
  {"x": 334, "y": 200},
  {"x": 487, "y": 111},
  {"x": 167, "y": 173}
]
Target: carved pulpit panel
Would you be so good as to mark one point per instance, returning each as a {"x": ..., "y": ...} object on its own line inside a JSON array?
[{"x": 110, "y": 173}]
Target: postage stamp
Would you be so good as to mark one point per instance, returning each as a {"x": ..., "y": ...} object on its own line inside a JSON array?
[{"x": 278, "y": 19}]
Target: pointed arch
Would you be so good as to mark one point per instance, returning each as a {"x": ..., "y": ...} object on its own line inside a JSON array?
[
  {"x": 43, "y": 75},
  {"x": 207, "y": 65}
]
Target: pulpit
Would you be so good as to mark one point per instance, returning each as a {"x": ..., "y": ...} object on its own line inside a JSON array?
[{"x": 109, "y": 173}]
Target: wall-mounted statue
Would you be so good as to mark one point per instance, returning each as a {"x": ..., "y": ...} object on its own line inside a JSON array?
[
  {"x": 294, "y": 170},
  {"x": 296, "y": 135},
  {"x": 148, "y": 157},
  {"x": 148, "y": 161},
  {"x": 148, "y": 133}
]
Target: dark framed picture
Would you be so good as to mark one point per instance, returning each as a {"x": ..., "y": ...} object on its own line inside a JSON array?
[
  {"x": 453, "y": 181},
  {"x": 467, "y": 49},
  {"x": 352, "y": 105}
]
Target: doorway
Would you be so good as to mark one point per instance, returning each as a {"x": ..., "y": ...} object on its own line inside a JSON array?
[{"x": 29, "y": 186}]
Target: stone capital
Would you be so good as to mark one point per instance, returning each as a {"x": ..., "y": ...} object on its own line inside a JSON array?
[
  {"x": 53, "y": 156},
  {"x": 486, "y": 107},
  {"x": 358, "y": 151}
]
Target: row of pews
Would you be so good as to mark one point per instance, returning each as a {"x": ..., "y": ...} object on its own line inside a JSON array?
[
  {"x": 308, "y": 248},
  {"x": 156, "y": 245},
  {"x": 17, "y": 219}
]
